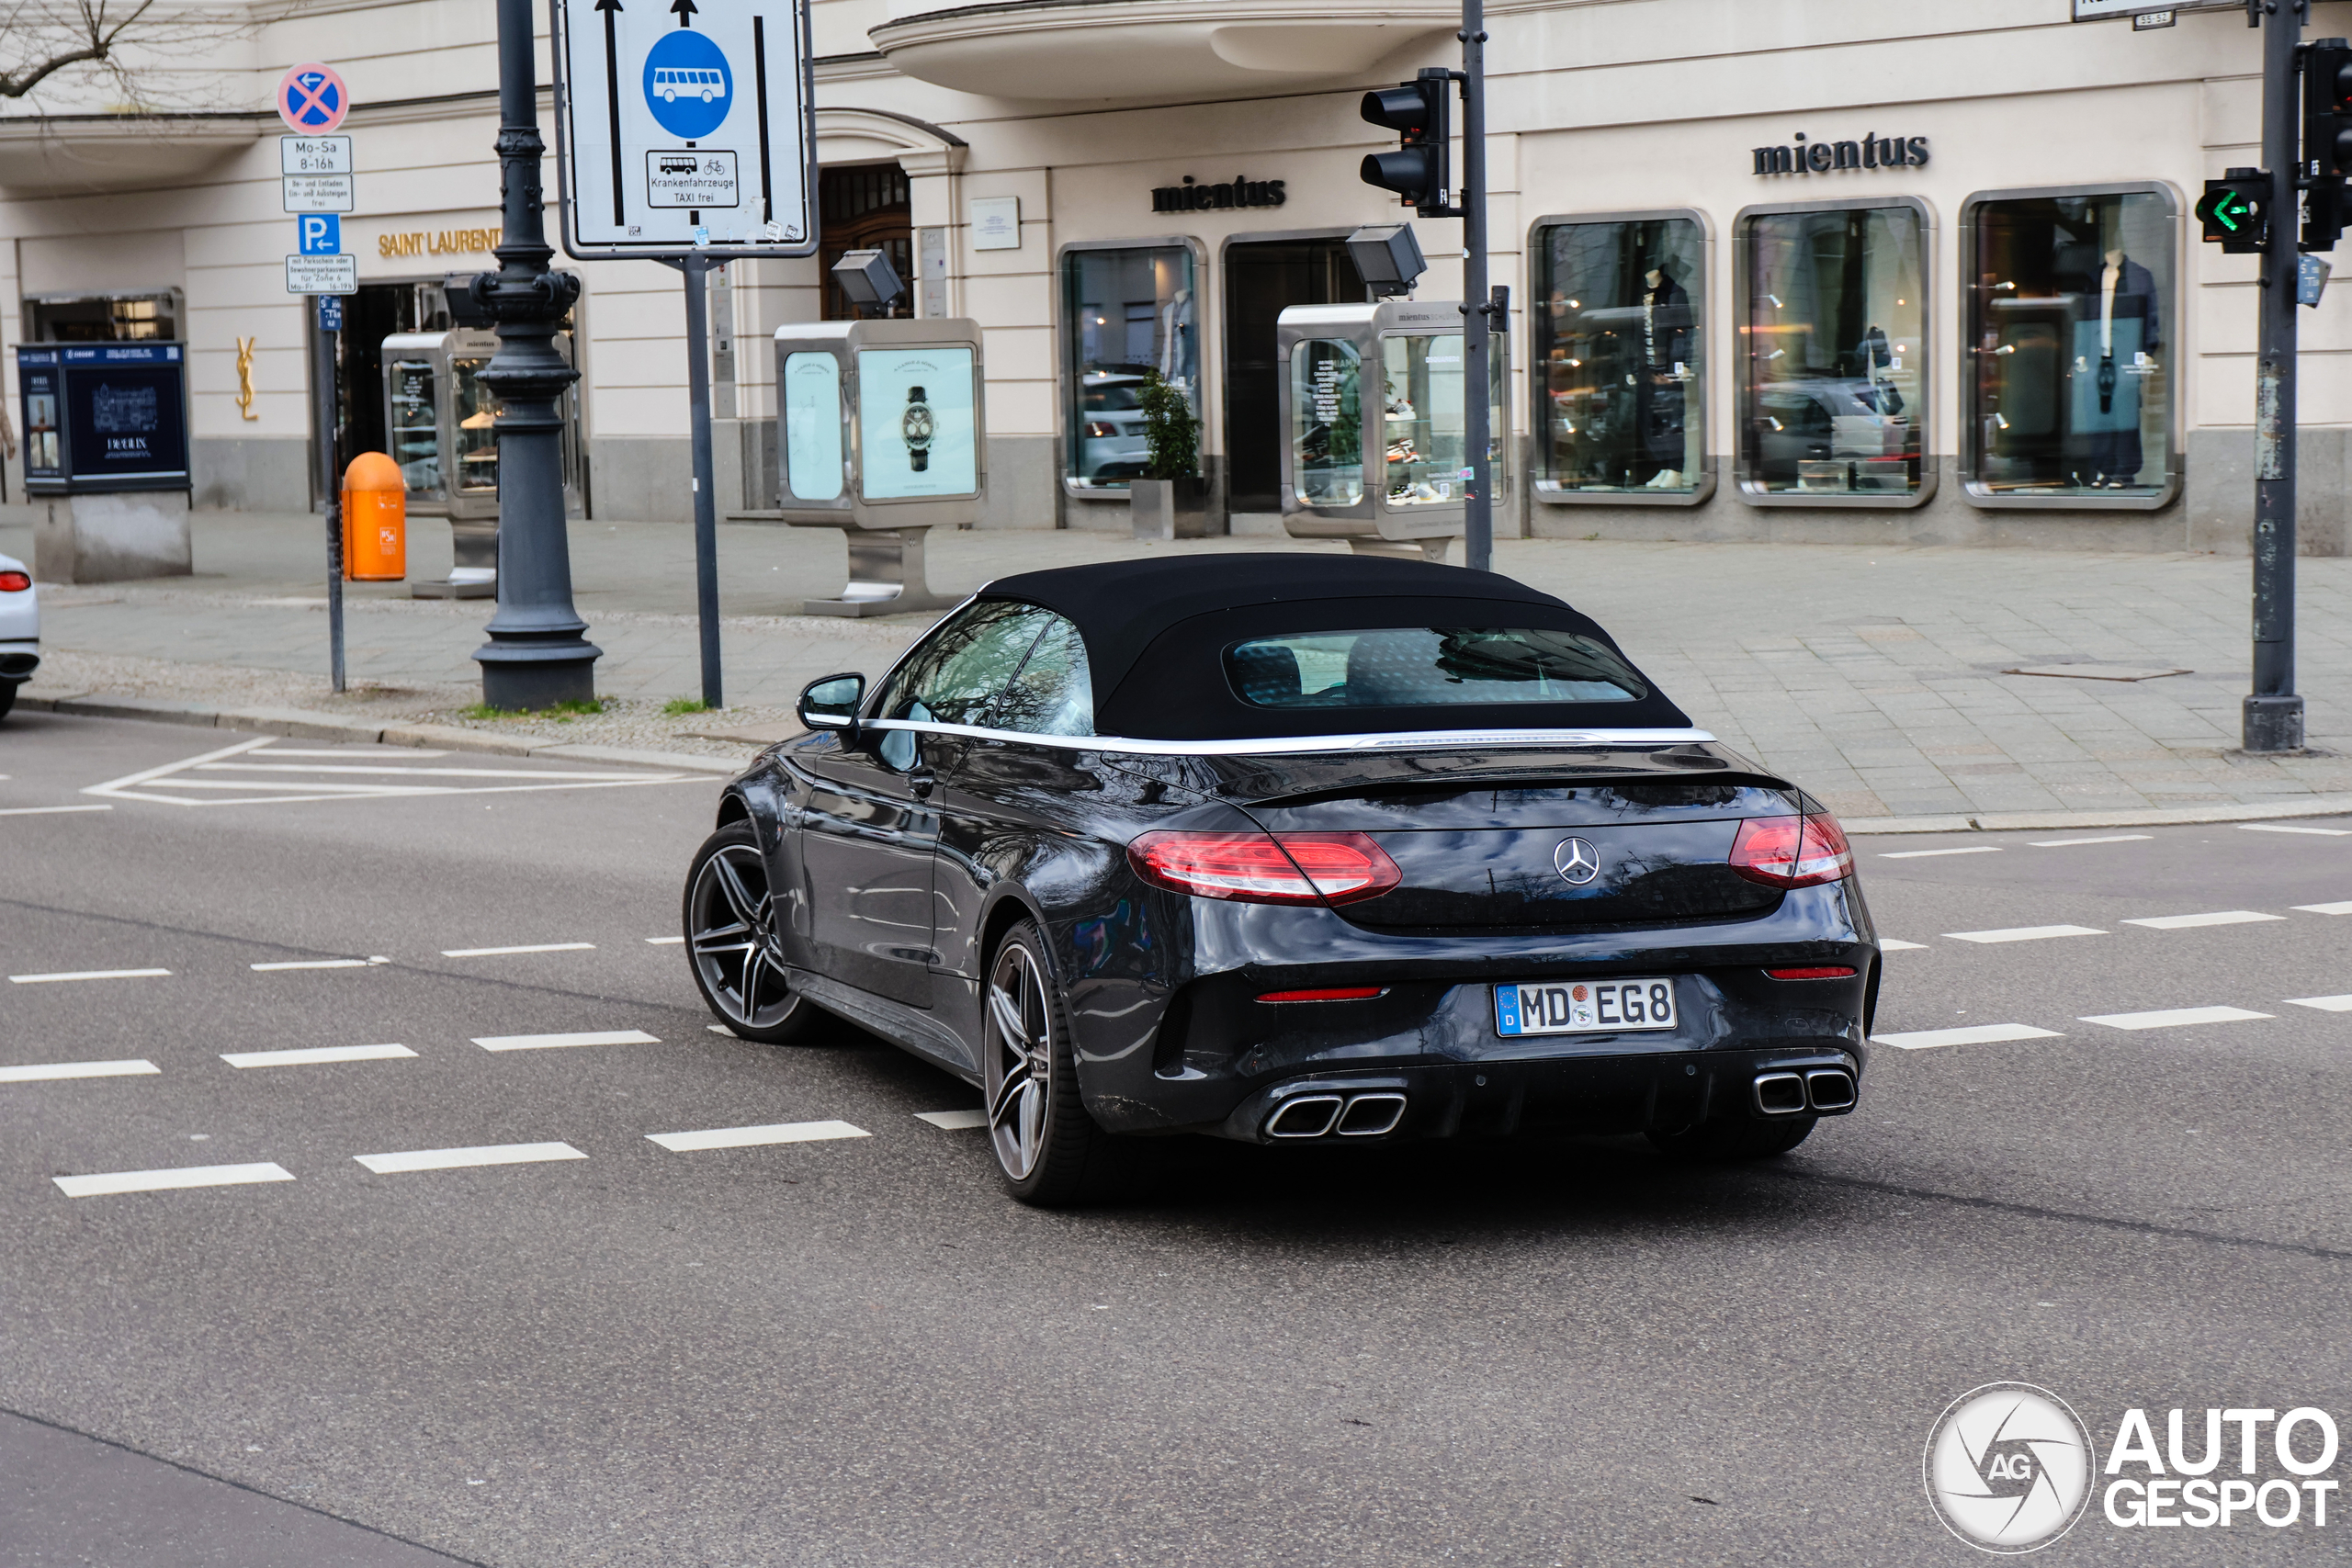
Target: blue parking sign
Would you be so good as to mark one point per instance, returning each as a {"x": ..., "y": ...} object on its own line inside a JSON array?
[{"x": 319, "y": 233}]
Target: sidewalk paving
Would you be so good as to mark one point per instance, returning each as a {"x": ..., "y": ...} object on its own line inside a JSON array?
[{"x": 1875, "y": 676}]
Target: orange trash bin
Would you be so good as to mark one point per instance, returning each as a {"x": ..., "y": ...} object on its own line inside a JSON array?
[{"x": 375, "y": 520}]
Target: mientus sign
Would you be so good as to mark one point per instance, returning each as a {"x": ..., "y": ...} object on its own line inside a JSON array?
[
  {"x": 1828, "y": 157},
  {"x": 1235, "y": 192}
]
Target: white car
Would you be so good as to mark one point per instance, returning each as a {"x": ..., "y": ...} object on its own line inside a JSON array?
[{"x": 19, "y": 631}]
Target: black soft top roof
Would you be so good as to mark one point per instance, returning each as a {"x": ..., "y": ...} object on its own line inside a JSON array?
[{"x": 1156, "y": 631}]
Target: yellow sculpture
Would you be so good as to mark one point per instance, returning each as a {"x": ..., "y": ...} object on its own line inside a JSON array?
[{"x": 245, "y": 376}]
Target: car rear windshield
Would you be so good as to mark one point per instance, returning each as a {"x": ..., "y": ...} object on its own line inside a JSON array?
[{"x": 1428, "y": 667}]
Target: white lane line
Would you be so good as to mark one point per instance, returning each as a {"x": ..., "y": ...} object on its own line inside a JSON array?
[
  {"x": 140, "y": 777},
  {"x": 1924, "y": 855},
  {"x": 49, "y": 810},
  {"x": 85, "y": 975},
  {"x": 460, "y": 1160},
  {"x": 954, "y": 1121},
  {"x": 1888, "y": 944},
  {"x": 2175, "y": 1018},
  {"x": 552, "y": 1042},
  {"x": 168, "y": 1180},
  {"x": 1977, "y": 1034},
  {"x": 2345, "y": 909},
  {"x": 42, "y": 1072},
  {"x": 313, "y": 1054},
  {"x": 311, "y": 963},
  {"x": 420, "y": 753},
  {"x": 494, "y": 952},
  {"x": 427, "y": 773},
  {"x": 2283, "y": 827},
  {"x": 665, "y": 941},
  {"x": 2105, "y": 839},
  {"x": 2324, "y": 1004},
  {"x": 752, "y": 1137},
  {"x": 721, "y": 1029},
  {"x": 2189, "y": 922},
  {"x": 2025, "y": 933}
]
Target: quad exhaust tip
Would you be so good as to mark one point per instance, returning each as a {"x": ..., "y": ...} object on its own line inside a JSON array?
[
  {"x": 1824, "y": 1091},
  {"x": 1349, "y": 1116}
]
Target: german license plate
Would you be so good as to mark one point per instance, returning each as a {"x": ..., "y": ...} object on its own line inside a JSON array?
[{"x": 1584, "y": 1007}]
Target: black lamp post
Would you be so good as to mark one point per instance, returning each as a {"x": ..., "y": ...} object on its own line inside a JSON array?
[{"x": 537, "y": 655}]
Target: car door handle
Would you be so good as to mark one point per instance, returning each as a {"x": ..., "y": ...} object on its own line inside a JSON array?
[{"x": 921, "y": 781}]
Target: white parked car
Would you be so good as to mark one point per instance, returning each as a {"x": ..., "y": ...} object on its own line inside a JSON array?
[{"x": 19, "y": 631}]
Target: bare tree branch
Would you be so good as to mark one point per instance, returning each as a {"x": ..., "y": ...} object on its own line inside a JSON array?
[{"x": 143, "y": 48}]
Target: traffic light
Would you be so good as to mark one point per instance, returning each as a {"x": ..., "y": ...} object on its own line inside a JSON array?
[
  {"x": 2327, "y": 141},
  {"x": 1418, "y": 111},
  {"x": 2236, "y": 212}
]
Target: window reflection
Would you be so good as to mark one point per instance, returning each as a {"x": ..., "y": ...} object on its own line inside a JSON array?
[
  {"x": 2070, "y": 302},
  {"x": 1053, "y": 692},
  {"x": 1327, "y": 421},
  {"x": 1834, "y": 337},
  {"x": 1127, "y": 313},
  {"x": 1621, "y": 340}
]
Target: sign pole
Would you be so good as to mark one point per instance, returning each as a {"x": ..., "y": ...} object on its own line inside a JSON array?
[
  {"x": 331, "y": 485},
  {"x": 1477, "y": 345},
  {"x": 697, "y": 275},
  {"x": 2274, "y": 713}
]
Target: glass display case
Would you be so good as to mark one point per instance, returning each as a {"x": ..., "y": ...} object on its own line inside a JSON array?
[{"x": 1375, "y": 405}]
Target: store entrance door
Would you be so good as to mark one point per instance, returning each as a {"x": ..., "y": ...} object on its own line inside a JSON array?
[
  {"x": 1262, "y": 278},
  {"x": 375, "y": 313}
]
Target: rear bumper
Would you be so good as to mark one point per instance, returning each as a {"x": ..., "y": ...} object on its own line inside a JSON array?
[
  {"x": 1665, "y": 1093},
  {"x": 18, "y": 659}
]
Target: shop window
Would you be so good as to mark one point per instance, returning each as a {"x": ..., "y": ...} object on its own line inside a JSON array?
[
  {"x": 866, "y": 207},
  {"x": 1834, "y": 391},
  {"x": 1620, "y": 356},
  {"x": 1125, "y": 315},
  {"x": 2070, "y": 304},
  {"x": 103, "y": 318}
]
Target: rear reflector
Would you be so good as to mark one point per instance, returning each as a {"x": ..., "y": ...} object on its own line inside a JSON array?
[
  {"x": 14, "y": 582},
  {"x": 1335, "y": 994},
  {"x": 1297, "y": 868},
  {"x": 1827, "y": 971},
  {"x": 1791, "y": 851}
]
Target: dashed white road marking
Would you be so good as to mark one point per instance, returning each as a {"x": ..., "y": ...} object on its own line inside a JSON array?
[
  {"x": 2324, "y": 1004},
  {"x": 2025, "y": 933},
  {"x": 311, "y": 1055},
  {"x": 722, "y": 1028},
  {"x": 2189, "y": 922},
  {"x": 1976, "y": 1034},
  {"x": 42, "y": 1072},
  {"x": 1924, "y": 855},
  {"x": 665, "y": 941},
  {"x": 2283, "y": 827},
  {"x": 311, "y": 964},
  {"x": 555, "y": 1041},
  {"x": 460, "y": 1160},
  {"x": 2344, "y": 909},
  {"x": 534, "y": 947},
  {"x": 2175, "y": 1018},
  {"x": 954, "y": 1121},
  {"x": 2104, "y": 839},
  {"x": 85, "y": 975},
  {"x": 752, "y": 1137},
  {"x": 114, "y": 1182},
  {"x": 1888, "y": 944},
  {"x": 49, "y": 810},
  {"x": 346, "y": 755}
]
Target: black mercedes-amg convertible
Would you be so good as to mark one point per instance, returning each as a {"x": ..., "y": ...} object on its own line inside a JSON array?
[{"x": 1291, "y": 848}]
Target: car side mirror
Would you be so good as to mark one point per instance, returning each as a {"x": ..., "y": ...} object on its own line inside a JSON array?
[{"x": 830, "y": 702}]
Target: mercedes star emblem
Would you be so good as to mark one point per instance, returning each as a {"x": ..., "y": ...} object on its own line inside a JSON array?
[{"x": 1577, "y": 861}]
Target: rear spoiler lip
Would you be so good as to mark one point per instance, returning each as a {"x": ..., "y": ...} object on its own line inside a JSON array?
[{"x": 1749, "y": 779}]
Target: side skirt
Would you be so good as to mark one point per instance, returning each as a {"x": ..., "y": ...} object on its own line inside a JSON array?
[{"x": 910, "y": 1029}]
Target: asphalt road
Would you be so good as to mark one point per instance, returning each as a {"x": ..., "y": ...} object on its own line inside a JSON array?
[{"x": 855, "y": 1350}]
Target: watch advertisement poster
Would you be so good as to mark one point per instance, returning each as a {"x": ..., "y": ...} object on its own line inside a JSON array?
[{"x": 915, "y": 424}]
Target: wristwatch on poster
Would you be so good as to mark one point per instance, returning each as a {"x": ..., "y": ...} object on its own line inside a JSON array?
[{"x": 915, "y": 425}]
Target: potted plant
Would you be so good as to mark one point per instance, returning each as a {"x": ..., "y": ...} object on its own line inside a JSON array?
[{"x": 1168, "y": 501}]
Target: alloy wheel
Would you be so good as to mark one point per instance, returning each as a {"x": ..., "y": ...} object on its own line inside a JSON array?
[
  {"x": 732, "y": 936},
  {"x": 1021, "y": 1059}
]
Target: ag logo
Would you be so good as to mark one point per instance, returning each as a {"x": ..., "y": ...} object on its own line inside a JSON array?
[{"x": 2009, "y": 1467}]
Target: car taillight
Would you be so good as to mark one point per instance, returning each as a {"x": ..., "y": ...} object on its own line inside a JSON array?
[
  {"x": 1791, "y": 851},
  {"x": 14, "y": 582},
  {"x": 1821, "y": 972},
  {"x": 1297, "y": 868},
  {"x": 1098, "y": 430},
  {"x": 1328, "y": 994}
]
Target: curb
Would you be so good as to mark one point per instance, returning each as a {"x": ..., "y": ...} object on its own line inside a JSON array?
[
  {"x": 2146, "y": 816},
  {"x": 296, "y": 724}
]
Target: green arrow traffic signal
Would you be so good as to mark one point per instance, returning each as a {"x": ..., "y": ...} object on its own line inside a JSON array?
[{"x": 2235, "y": 212}]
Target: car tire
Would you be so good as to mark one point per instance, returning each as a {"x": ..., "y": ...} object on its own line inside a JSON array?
[
  {"x": 1047, "y": 1148},
  {"x": 734, "y": 946},
  {"x": 1723, "y": 1139}
]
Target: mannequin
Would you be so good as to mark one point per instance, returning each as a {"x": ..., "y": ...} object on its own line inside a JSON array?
[
  {"x": 1659, "y": 412},
  {"x": 2117, "y": 330}
]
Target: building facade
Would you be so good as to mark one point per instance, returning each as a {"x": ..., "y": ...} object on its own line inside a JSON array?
[{"x": 1816, "y": 270}]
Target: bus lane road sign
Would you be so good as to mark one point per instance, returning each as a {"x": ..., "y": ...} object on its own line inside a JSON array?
[{"x": 684, "y": 129}]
